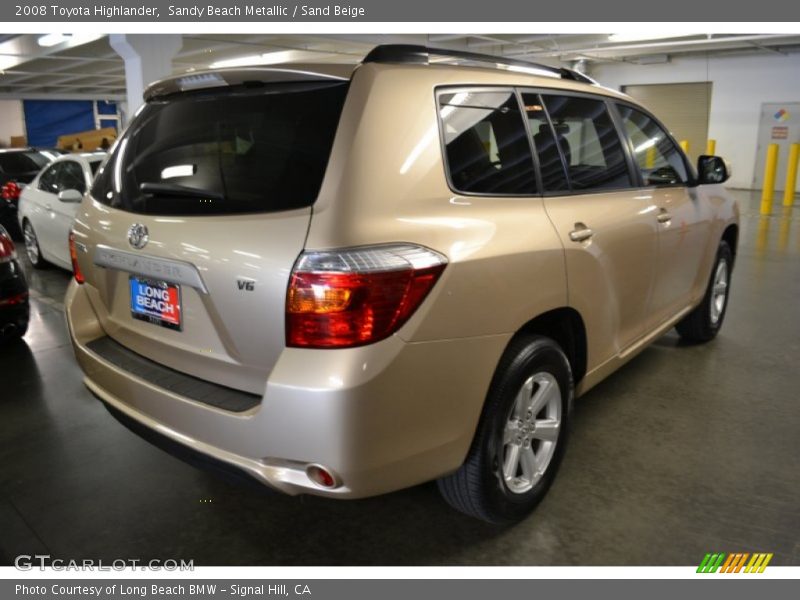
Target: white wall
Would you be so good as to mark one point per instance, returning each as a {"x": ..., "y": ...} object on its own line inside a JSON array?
[
  {"x": 740, "y": 85},
  {"x": 11, "y": 120}
]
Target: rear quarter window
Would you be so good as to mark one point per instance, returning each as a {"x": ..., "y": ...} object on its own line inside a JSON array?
[{"x": 485, "y": 143}]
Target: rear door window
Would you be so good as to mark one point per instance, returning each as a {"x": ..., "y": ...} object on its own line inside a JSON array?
[
  {"x": 485, "y": 143},
  {"x": 551, "y": 163},
  {"x": 234, "y": 150},
  {"x": 589, "y": 143}
]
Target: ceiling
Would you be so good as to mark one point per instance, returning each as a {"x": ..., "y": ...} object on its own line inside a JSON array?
[{"x": 87, "y": 65}]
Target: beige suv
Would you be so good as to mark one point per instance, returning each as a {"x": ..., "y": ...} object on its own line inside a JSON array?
[{"x": 345, "y": 287}]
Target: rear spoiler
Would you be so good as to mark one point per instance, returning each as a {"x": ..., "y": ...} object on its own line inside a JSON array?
[{"x": 201, "y": 80}]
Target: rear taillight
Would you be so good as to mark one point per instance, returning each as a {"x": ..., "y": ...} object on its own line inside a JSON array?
[
  {"x": 73, "y": 255},
  {"x": 7, "y": 250},
  {"x": 14, "y": 300},
  {"x": 10, "y": 191},
  {"x": 357, "y": 296}
]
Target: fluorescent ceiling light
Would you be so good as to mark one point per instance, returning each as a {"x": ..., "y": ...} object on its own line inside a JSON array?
[
  {"x": 53, "y": 39},
  {"x": 268, "y": 58},
  {"x": 637, "y": 37}
]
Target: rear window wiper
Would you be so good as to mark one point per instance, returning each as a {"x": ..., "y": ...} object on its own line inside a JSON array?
[{"x": 171, "y": 189}]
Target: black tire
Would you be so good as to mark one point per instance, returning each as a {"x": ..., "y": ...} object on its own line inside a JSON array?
[
  {"x": 704, "y": 322},
  {"x": 10, "y": 338},
  {"x": 479, "y": 488},
  {"x": 35, "y": 256}
]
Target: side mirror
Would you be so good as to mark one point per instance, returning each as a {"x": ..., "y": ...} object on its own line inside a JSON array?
[
  {"x": 70, "y": 196},
  {"x": 712, "y": 169}
]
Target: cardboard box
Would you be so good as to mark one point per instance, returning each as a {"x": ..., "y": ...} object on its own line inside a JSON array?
[{"x": 87, "y": 140}]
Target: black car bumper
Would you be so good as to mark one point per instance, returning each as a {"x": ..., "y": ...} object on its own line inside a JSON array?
[
  {"x": 14, "y": 303},
  {"x": 8, "y": 217}
]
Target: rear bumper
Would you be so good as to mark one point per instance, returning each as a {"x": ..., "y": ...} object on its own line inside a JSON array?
[
  {"x": 381, "y": 417},
  {"x": 8, "y": 218},
  {"x": 14, "y": 303}
]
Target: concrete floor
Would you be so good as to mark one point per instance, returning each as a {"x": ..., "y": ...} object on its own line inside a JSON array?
[{"x": 684, "y": 451}]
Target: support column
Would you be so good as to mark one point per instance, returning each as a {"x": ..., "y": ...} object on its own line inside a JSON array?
[{"x": 148, "y": 58}]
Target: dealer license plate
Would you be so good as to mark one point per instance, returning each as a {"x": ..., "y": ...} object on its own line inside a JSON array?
[{"x": 156, "y": 302}]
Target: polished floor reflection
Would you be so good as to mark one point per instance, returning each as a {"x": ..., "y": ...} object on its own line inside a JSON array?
[{"x": 685, "y": 451}]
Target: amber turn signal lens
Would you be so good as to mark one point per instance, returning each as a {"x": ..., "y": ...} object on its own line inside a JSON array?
[{"x": 73, "y": 255}]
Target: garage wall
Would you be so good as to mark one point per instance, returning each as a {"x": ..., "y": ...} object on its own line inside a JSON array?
[
  {"x": 11, "y": 121},
  {"x": 739, "y": 86}
]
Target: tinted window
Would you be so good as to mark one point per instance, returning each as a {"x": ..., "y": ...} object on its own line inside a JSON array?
[
  {"x": 589, "y": 142},
  {"x": 22, "y": 162},
  {"x": 71, "y": 177},
  {"x": 656, "y": 155},
  {"x": 486, "y": 145},
  {"x": 232, "y": 151},
  {"x": 551, "y": 165},
  {"x": 48, "y": 182},
  {"x": 93, "y": 165}
]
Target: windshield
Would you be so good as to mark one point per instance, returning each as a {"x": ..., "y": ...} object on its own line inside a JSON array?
[{"x": 238, "y": 150}]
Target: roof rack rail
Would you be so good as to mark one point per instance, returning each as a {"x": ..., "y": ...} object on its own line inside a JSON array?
[{"x": 421, "y": 55}]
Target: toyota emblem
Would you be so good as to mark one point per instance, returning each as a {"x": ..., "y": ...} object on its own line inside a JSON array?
[{"x": 138, "y": 236}]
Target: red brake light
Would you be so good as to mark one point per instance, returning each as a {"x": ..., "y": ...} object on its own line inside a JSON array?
[
  {"x": 7, "y": 250},
  {"x": 357, "y": 296},
  {"x": 73, "y": 255},
  {"x": 10, "y": 191}
]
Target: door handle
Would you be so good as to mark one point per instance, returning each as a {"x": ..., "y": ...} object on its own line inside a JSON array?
[
  {"x": 581, "y": 233},
  {"x": 48, "y": 207},
  {"x": 664, "y": 216}
]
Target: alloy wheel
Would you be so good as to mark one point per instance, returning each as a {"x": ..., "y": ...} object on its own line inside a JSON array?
[{"x": 531, "y": 433}]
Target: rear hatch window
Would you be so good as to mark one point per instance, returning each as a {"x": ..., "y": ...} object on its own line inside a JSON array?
[
  {"x": 235, "y": 150},
  {"x": 22, "y": 162}
]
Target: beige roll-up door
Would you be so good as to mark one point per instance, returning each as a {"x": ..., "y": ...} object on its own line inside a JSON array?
[{"x": 682, "y": 107}]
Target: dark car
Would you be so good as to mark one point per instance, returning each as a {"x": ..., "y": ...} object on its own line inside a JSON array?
[
  {"x": 18, "y": 167},
  {"x": 14, "y": 304}
]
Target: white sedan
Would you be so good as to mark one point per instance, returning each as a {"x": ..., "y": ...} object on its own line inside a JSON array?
[{"x": 48, "y": 205}]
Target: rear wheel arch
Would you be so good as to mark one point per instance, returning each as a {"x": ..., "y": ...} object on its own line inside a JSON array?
[{"x": 566, "y": 327}]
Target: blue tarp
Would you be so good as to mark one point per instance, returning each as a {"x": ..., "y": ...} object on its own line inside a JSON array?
[{"x": 45, "y": 120}]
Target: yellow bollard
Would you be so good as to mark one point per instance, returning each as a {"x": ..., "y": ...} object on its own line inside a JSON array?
[
  {"x": 791, "y": 175},
  {"x": 711, "y": 147},
  {"x": 685, "y": 145},
  {"x": 770, "y": 166},
  {"x": 650, "y": 158}
]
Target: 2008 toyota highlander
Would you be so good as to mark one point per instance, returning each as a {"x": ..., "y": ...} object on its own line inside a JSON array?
[{"x": 345, "y": 287}]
